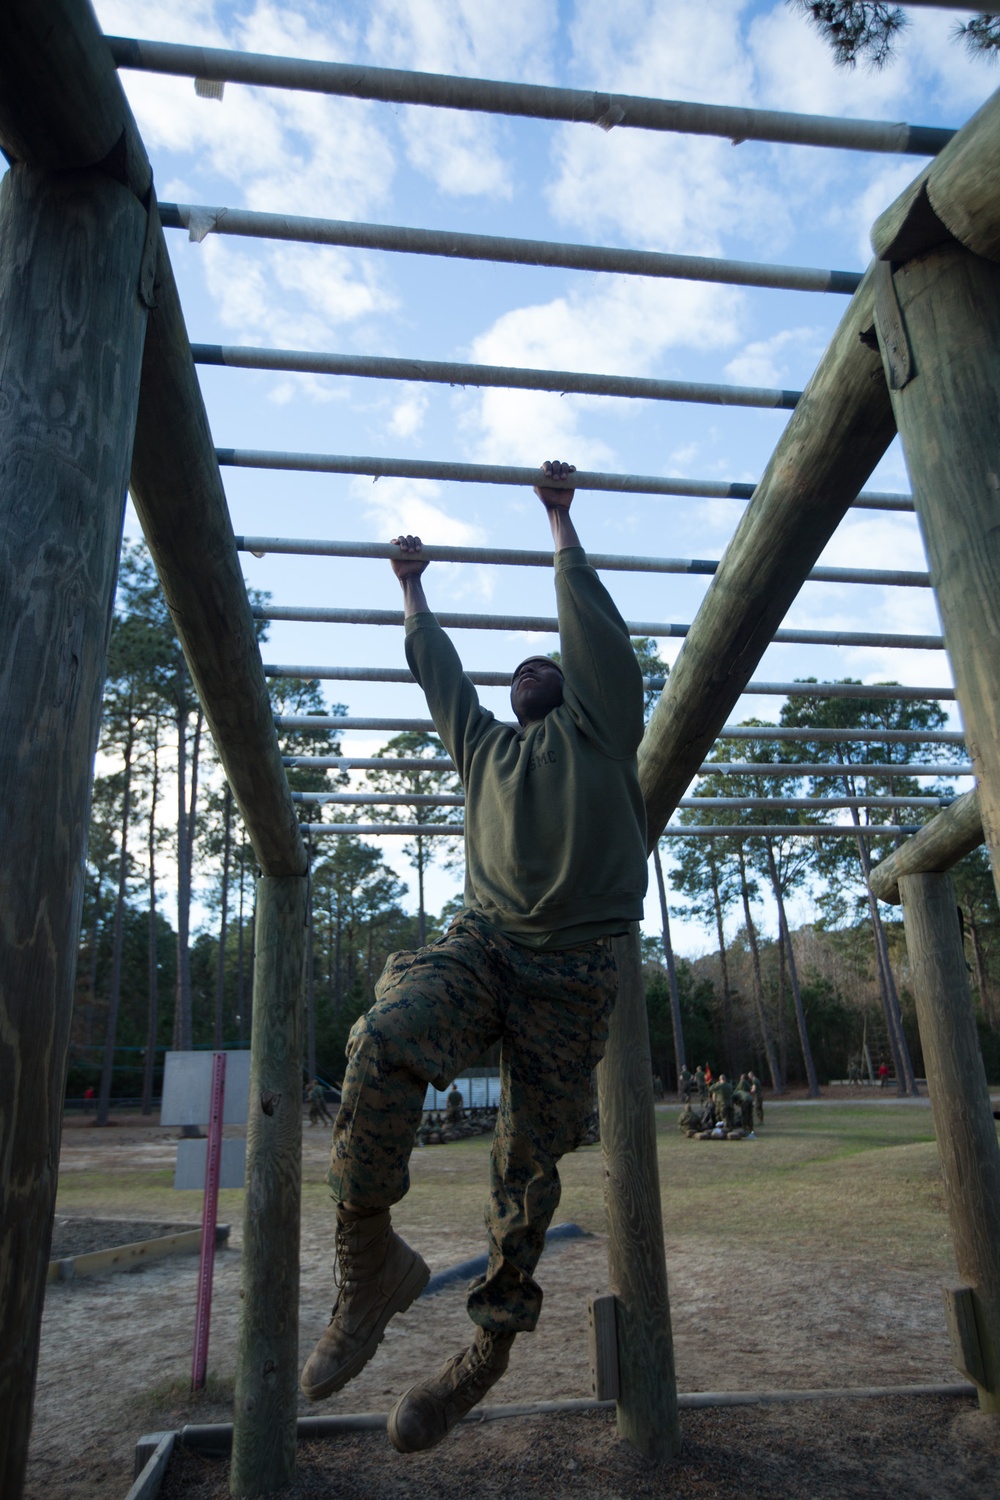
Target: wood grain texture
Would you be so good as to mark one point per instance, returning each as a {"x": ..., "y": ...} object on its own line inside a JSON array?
[
  {"x": 267, "y": 1360},
  {"x": 949, "y": 417},
  {"x": 837, "y": 433},
  {"x": 948, "y": 837},
  {"x": 71, "y": 331},
  {"x": 960, "y": 1100},
  {"x": 963, "y": 184},
  {"x": 637, "y": 1269},
  {"x": 181, "y": 503}
]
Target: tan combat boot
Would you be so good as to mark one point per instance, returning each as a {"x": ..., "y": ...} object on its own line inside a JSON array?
[
  {"x": 379, "y": 1276},
  {"x": 427, "y": 1413}
]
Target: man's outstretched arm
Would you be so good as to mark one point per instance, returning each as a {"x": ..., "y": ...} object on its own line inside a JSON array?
[
  {"x": 557, "y": 503},
  {"x": 603, "y": 680},
  {"x": 408, "y": 568}
]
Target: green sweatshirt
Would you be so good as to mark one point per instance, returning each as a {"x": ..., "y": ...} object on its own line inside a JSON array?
[{"x": 555, "y": 827}]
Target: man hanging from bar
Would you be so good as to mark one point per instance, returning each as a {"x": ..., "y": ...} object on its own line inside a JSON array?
[{"x": 555, "y": 843}]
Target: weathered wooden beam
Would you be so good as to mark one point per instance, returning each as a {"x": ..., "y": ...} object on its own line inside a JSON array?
[
  {"x": 840, "y": 429},
  {"x": 181, "y": 503},
  {"x": 963, "y": 1115},
  {"x": 939, "y": 324},
  {"x": 647, "y": 1386},
  {"x": 62, "y": 105},
  {"x": 71, "y": 332},
  {"x": 267, "y": 1368},
  {"x": 948, "y": 837}
]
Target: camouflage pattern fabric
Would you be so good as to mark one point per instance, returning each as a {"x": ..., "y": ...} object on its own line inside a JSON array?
[{"x": 436, "y": 1011}]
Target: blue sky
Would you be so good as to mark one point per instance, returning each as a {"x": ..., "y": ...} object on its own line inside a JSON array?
[{"x": 303, "y": 154}]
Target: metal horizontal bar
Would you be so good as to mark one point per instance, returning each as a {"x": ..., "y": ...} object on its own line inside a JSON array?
[
  {"x": 369, "y": 763},
  {"x": 609, "y": 562},
  {"x": 434, "y": 799},
  {"x": 202, "y": 219},
  {"x": 402, "y": 676},
  {"x": 530, "y": 100},
  {"x": 675, "y": 831},
  {"x": 382, "y": 799},
  {"x": 764, "y": 769},
  {"x": 411, "y": 468},
  {"x": 508, "y": 377},
  {"x": 728, "y": 731},
  {"x": 665, "y": 630},
  {"x": 824, "y": 769},
  {"x": 846, "y": 736}
]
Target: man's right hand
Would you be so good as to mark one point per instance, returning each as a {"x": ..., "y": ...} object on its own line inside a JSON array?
[{"x": 409, "y": 564}]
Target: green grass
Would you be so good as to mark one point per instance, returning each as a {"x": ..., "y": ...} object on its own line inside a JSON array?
[{"x": 824, "y": 1180}]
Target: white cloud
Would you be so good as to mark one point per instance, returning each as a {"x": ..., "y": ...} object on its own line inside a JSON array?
[
  {"x": 765, "y": 362},
  {"x": 667, "y": 51},
  {"x": 282, "y": 150},
  {"x": 408, "y": 506},
  {"x": 408, "y": 414},
  {"x": 459, "y": 153},
  {"x": 292, "y": 296},
  {"x": 462, "y": 154},
  {"x": 623, "y": 326}
]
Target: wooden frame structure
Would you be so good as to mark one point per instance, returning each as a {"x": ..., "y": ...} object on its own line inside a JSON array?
[{"x": 127, "y": 403}]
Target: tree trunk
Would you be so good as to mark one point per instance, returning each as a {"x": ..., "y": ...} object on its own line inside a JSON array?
[
  {"x": 777, "y": 1086},
  {"x": 154, "y": 967},
  {"x": 422, "y": 923},
  {"x": 906, "y": 1082},
  {"x": 220, "y": 974},
  {"x": 786, "y": 938},
  {"x": 240, "y": 985},
  {"x": 782, "y": 1019},
  {"x": 182, "y": 1003},
  {"x": 310, "y": 987},
  {"x": 982, "y": 983},
  {"x": 115, "y": 986},
  {"x": 680, "y": 1061},
  {"x": 338, "y": 992},
  {"x": 727, "y": 1041}
]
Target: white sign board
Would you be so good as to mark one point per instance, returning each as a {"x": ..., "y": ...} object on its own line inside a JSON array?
[
  {"x": 192, "y": 1161},
  {"x": 187, "y": 1088}
]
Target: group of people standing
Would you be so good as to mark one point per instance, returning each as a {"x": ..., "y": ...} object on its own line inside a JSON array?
[{"x": 719, "y": 1102}]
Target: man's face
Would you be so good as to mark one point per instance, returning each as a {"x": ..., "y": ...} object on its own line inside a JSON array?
[{"x": 536, "y": 688}]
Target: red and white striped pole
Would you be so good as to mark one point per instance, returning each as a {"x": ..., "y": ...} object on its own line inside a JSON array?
[{"x": 210, "y": 1213}]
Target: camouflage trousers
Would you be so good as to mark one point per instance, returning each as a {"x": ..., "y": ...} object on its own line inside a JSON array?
[{"x": 437, "y": 1010}]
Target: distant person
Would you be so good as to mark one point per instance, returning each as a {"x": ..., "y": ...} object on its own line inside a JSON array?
[
  {"x": 757, "y": 1089},
  {"x": 743, "y": 1100},
  {"x": 454, "y": 1106},
  {"x": 555, "y": 842},
  {"x": 700, "y": 1084},
  {"x": 883, "y": 1075},
  {"x": 686, "y": 1083},
  {"x": 722, "y": 1093},
  {"x": 317, "y": 1104}
]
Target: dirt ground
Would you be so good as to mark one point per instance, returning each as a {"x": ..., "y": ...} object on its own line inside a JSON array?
[{"x": 116, "y": 1351}]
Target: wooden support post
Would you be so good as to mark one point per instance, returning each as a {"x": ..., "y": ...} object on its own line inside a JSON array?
[
  {"x": 941, "y": 843},
  {"x": 267, "y": 1365},
  {"x": 963, "y": 1116},
  {"x": 949, "y": 315},
  {"x": 647, "y": 1399},
  {"x": 71, "y": 333}
]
